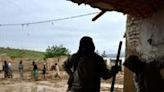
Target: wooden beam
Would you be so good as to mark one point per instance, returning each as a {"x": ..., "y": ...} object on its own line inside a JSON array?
[{"x": 99, "y": 15}]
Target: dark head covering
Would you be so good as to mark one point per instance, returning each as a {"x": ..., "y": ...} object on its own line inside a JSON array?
[
  {"x": 86, "y": 46},
  {"x": 5, "y": 62},
  {"x": 33, "y": 62}
]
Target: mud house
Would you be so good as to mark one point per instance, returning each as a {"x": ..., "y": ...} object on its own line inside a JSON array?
[{"x": 144, "y": 37}]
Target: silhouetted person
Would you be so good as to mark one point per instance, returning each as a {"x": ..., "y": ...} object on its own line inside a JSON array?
[
  {"x": 21, "y": 68},
  {"x": 86, "y": 68},
  {"x": 6, "y": 69},
  {"x": 35, "y": 70},
  {"x": 44, "y": 71},
  {"x": 147, "y": 75}
]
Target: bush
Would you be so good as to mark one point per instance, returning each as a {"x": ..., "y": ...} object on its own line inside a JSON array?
[{"x": 55, "y": 51}]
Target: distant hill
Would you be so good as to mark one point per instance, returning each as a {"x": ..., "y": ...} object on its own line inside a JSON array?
[{"x": 21, "y": 53}]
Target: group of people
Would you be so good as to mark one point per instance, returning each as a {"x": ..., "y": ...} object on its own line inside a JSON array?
[
  {"x": 7, "y": 70},
  {"x": 86, "y": 68},
  {"x": 54, "y": 69}
]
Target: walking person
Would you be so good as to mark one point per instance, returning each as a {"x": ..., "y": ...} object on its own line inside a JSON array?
[
  {"x": 21, "y": 68},
  {"x": 35, "y": 71},
  {"x": 55, "y": 71},
  {"x": 86, "y": 68},
  {"x": 6, "y": 69},
  {"x": 10, "y": 71},
  {"x": 44, "y": 71}
]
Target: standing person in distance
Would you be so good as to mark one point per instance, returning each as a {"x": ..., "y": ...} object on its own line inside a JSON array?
[
  {"x": 35, "y": 70},
  {"x": 6, "y": 69},
  {"x": 20, "y": 68},
  {"x": 44, "y": 71}
]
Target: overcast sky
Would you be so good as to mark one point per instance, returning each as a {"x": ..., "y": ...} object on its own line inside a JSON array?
[{"x": 106, "y": 32}]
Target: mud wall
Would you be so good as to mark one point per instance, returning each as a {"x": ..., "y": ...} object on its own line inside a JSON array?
[{"x": 144, "y": 38}]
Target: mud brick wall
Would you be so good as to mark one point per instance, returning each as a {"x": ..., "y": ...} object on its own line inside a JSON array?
[{"x": 145, "y": 38}]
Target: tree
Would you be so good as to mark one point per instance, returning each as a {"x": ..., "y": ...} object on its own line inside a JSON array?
[{"x": 54, "y": 51}]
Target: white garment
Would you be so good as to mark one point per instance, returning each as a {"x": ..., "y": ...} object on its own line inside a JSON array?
[{"x": 9, "y": 64}]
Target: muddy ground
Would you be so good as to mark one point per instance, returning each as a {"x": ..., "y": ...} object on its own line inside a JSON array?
[{"x": 50, "y": 84}]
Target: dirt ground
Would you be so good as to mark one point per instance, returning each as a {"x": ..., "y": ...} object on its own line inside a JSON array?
[{"x": 50, "y": 84}]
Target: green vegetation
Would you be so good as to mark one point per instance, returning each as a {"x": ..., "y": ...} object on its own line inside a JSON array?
[
  {"x": 55, "y": 51},
  {"x": 52, "y": 51},
  {"x": 20, "y": 53}
]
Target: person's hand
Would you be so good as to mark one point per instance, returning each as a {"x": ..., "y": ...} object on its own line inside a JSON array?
[{"x": 116, "y": 69}]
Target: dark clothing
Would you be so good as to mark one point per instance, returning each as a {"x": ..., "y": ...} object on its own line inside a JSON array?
[
  {"x": 44, "y": 69},
  {"x": 35, "y": 71},
  {"x": 35, "y": 67},
  {"x": 147, "y": 75},
  {"x": 6, "y": 70},
  {"x": 87, "y": 70}
]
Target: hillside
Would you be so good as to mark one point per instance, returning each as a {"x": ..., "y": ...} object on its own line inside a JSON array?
[{"x": 21, "y": 53}]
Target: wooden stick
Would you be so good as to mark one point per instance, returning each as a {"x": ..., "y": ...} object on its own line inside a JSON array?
[{"x": 116, "y": 64}]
